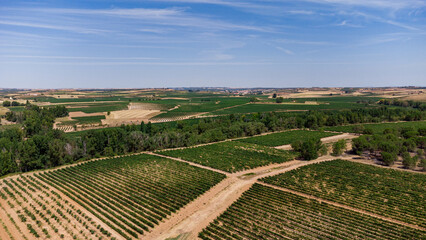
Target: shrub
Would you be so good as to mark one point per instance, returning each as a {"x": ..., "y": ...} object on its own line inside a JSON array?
[
  {"x": 339, "y": 147},
  {"x": 408, "y": 161},
  {"x": 388, "y": 158},
  {"x": 308, "y": 149}
]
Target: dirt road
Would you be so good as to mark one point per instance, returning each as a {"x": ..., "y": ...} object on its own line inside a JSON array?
[
  {"x": 346, "y": 136},
  {"x": 197, "y": 215}
]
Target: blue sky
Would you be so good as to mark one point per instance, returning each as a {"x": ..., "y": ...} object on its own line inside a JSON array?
[{"x": 200, "y": 43}]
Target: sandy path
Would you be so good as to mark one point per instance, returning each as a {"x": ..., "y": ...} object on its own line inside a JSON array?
[
  {"x": 345, "y": 136},
  {"x": 362, "y": 160},
  {"x": 198, "y": 214},
  {"x": 344, "y": 206}
]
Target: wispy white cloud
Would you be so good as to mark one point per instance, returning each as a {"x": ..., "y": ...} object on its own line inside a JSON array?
[
  {"x": 52, "y": 27},
  {"x": 76, "y": 57},
  {"x": 302, "y": 42},
  {"x": 346, "y": 23},
  {"x": 376, "y": 18},
  {"x": 286, "y": 51},
  {"x": 384, "y": 4},
  {"x": 301, "y": 12},
  {"x": 177, "y": 17}
]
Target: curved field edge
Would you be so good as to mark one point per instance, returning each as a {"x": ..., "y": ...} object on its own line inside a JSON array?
[
  {"x": 287, "y": 137},
  {"x": 266, "y": 213},
  {"x": 391, "y": 193},
  {"x": 376, "y": 127},
  {"x": 231, "y": 156}
]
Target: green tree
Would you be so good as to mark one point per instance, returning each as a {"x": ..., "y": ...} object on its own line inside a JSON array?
[
  {"x": 408, "y": 161},
  {"x": 6, "y": 103},
  {"x": 143, "y": 127},
  {"x": 422, "y": 164},
  {"x": 388, "y": 158},
  {"x": 149, "y": 128},
  {"x": 339, "y": 147},
  {"x": 254, "y": 99},
  {"x": 308, "y": 149},
  {"x": 279, "y": 100}
]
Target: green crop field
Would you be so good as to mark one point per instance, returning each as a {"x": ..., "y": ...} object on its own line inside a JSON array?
[
  {"x": 76, "y": 100},
  {"x": 231, "y": 156},
  {"x": 130, "y": 195},
  {"x": 90, "y": 119},
  {"x": 377, "y": 127},
  {"x": 200, "y": 105},
  {"x": 100, "y": 107},
  {"x": 288, "y": 137},
  {"x": 253, "y": 108},
  {"x": 17, "y": 109},
  {"x": 387, "y": 192},
  {"x": 266, "y": 213}
]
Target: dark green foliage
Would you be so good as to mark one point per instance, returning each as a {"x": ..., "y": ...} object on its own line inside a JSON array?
[
  {"x": 36, "y": 152},
  {"x": 391, "y": 144},
  {"x": 339, "y": 147},
  {"x": 6, "y": 103},
  {"x": 422, "y": 164},
  {"x": 279, "y": 99},
  {"x": 380, "y": 127},
  {"x": 401, "y": 103},
  {"x": 308, "y": 149},
  {"x": 373, "y": 189},
  {"x": 408, "y": 161},
  {"x": 388, "y": 158}
]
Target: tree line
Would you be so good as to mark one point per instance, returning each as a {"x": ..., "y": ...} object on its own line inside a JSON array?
[
  {"x": 406, "y": 143},
  {"x": 37, "y": 146}
]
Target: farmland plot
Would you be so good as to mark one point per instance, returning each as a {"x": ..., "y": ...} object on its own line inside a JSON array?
[
  {"x": 266, "y": 213},
  {"x": 377, "y": 127},
  {"x": 288, "y": 137},
  {"x": 231, "y": 156},
  {"x": 387, "y": 192},
  {"x": 118, "y": 197}
]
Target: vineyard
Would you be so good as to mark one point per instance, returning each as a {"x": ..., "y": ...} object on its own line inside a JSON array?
[
  {"x": 284, "y": 138},
  {"x": 378, "y": 127},
  {"x": 121, "y": 197},
  {"x": 387, "y": 192},
  {"x": 232, "y": 156},
  {"x": 254, "y": 108},
  {"x": 267, "y": 213}
]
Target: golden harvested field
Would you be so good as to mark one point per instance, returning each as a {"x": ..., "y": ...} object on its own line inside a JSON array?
[
  {"x": 117, "y": 118},
  {"x": 3, "y": 110}
]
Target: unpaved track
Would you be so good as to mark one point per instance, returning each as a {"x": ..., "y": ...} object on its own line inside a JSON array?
[
  {"x": 345, "y": 136},
  {"x": 343, "y": 206},
  {"x": 197, "y": 215}
]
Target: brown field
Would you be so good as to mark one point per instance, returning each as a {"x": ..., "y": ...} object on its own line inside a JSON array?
[
  {"x": 116, "y": 118},
  {"x": 3, "y": 110},
  {"x": 146, "y": 106}
]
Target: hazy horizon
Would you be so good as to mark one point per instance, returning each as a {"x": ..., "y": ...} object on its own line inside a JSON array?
[{"x": 212, "y": 43}]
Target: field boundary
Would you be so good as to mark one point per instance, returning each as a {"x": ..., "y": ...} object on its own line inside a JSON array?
[{"x": 343, "y": 206}]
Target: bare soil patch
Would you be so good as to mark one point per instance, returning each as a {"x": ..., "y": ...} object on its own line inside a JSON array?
[{"x": 134, "y": 116}]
